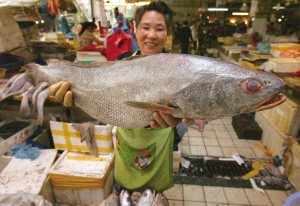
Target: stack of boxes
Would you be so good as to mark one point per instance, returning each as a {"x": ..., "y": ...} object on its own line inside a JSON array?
[{"x": 77, "y": 177}]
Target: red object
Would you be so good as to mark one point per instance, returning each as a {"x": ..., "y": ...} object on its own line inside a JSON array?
[
  {"x": 271, "y": 28},
  {"x": 201, "y": 15},
  {"x": 289, "y": 54},
  {"x": 295, "y": 74},
  {"x": 118, "y": 44},
  {"x": 120, "y": 24},
  {"x": 53, "y": 6},
  {"x": 102, "y": 30},
  {"x": 93, "y": 47}
]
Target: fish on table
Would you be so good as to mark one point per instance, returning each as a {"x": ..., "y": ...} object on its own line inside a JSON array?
[
  {"x": 126, "y": 92},
  {"x": 147, "y": 198},
  {"x": 160, "y": 200}
]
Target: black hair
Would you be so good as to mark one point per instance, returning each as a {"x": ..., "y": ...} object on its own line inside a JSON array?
[
  {"x": 86, "y": 25},
  {"x": 185, "y": 23},
  {"x": 160, "y": 7},
  {"x": 194, "y": 22}
]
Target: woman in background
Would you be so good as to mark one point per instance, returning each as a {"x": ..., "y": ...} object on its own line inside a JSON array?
[{"x": 86, "y": 36}]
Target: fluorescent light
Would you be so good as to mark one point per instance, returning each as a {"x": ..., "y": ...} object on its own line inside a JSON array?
[
  {"x": 240, "y": 13},
  {"x": 217, "y": 9},
  {"x": 281, "y": 7}
]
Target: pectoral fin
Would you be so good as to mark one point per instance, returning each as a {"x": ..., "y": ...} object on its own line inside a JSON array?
[{"x": 153, "y": 107}]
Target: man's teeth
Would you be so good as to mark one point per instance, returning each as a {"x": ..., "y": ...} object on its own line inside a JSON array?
[{"x": 150, "y": 44}]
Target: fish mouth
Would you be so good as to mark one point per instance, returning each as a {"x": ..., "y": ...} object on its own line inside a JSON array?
[{"x": 277, "y": 100}]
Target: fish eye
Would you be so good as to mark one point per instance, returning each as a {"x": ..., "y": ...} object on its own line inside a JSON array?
[{"x": 253, "y": 85}]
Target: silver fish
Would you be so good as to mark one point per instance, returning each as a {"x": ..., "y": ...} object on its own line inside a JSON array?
[
  {"x": 146, "y": 198},
  {"x": 15, "y": 87},
  {"x": 125, "y": 199},
  {"x": 113, "y": 200},
  {"x": 42, "y": 96},
  {"x": 125, "y": 93},
  {"x": 160, "y": 200},
  {"x": 39, "y": 88}
]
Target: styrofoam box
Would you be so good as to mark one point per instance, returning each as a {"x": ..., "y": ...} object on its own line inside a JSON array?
[
  {"x": 79, "y": 169},
  {"x": 83, "y": 56},
  {"x": 20, "y": 136},
  {"x": 284, "y": 65},
  {"x": 277, "y": 48},
  {"x": 56, "y": 37},
  {"x": 24, "y": 175},
  {"x": 66, "y": 137},
  {"x": 176, "y": 159}
]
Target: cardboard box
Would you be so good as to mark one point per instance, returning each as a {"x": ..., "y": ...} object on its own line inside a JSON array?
[
  {"x": 82, "y": 179},
  {"x": 284, "y": 65},
  {"x": 66, "y": 137}
]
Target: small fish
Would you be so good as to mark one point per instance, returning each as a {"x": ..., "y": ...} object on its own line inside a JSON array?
[
  {"x": 112, "y": 200},
  {"x": 125, "y": 199},
  {"x": 39, "y": 88},
  {"x": 42, "y": 96},
  {"x": 147, "y": 198},
  {"x": 160, "y": 200}
]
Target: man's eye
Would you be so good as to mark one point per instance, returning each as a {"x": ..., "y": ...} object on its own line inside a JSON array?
[{"x": 146, "y": 28}]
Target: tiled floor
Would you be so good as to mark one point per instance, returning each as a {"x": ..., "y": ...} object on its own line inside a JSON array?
[
  {"x": 220, "y": 139},
  {"x": 193, "y": 195}
]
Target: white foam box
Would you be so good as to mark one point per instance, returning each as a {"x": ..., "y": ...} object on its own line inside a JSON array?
[
  {"x": 284, "y": 65},
  {"x": 176, "y": 159},
  {"x": 55, "y": 37},
  {"x": 89, "y": 57},
  {"x": 277, "y": 48},
  {"x": 66, "y": 137},
  {"x": 19, "y": 136},
  {"x": 82, "y": 179},
  {"x": 213, "y": 51},
  {"x": 24, "y": 175},
  {"x": 285, "y": 117}
]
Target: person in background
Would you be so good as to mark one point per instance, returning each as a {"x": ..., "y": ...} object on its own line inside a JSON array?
[
  {"x": 176, "y": 32},
  {"x": 228, "y": 28},
  {"x": 271, "y": 29},
  {"x": 194, "y": 34},
  {"x": 143, "y": 158},
  {"x": 200, "y": 35},
  {"x": 131, "y": 28},
  {"x": 86, "y": 36},
  {"x": 185, "y": 36}
]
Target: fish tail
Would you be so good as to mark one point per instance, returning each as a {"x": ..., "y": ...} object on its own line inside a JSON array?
[{"x": 31, "y": 73}]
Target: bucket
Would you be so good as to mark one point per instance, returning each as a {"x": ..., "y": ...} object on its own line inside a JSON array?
[
  {"x": 293, "y": 200},
  {"x": 9, "y": 129}
]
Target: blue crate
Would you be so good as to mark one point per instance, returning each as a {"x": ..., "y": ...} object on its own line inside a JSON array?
[{"x": 11, "y": 63}]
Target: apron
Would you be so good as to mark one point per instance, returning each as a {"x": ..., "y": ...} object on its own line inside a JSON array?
[{"x": 144, "y": 158}]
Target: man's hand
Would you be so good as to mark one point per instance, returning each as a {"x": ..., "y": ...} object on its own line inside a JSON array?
[
  {"x": 60, "y": 92},
  {"x": 166, "y": 120}
]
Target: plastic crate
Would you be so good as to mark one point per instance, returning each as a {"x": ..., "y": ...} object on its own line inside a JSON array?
[{"x": 11, "y": 63}]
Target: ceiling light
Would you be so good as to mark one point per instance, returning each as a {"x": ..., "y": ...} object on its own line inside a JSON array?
[
  {"x": 217, "y": 9},
  {"x": 37, "y": 22},
  {"x": 129, "y": 6},
  {"x": 232, "y": 21},
  {"x": 240, "y": 13},
  {"x": 279, "y": 20},
  {"x": 42, "y": 21},
  {"x": 281, "y": 7}
]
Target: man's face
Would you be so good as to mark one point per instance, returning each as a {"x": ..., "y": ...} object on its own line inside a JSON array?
[{"x": 151, "y": 33}]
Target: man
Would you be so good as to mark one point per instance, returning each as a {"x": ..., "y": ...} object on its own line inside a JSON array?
[
  {"x": 185, "y": 37},
  {"x": 194, "y": 34}
]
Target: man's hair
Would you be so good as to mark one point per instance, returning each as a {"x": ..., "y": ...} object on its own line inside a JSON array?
[
  {"x": 160, "y": 7},
  {"x": 185, "y": 23},
  {"x": 194, "y": 22}
]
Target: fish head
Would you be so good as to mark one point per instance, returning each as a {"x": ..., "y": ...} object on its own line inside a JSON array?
[
  {"x": 112, "y": 200},
  {"x": 125, "y": 198},
  {"x": 227, "y": 90},
  {"x": 146, "y": 198},
  {"x": 160, "y": 200}
]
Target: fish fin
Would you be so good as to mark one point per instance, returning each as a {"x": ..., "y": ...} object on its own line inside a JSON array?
[
  {"x": 31, "y": 72},
  {"x": 152, "y": 107}
]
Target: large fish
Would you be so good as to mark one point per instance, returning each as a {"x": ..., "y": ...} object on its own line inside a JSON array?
[{"x": 125, "y": 93}]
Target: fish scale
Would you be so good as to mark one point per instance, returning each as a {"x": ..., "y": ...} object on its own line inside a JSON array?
[{"x": 198, "y": 87}]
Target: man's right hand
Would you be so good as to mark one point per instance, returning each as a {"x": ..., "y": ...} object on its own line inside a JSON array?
[{"x": 61, "y": 93}]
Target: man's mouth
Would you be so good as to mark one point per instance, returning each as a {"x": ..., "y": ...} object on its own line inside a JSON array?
[{"x": 279, "y": 99}]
